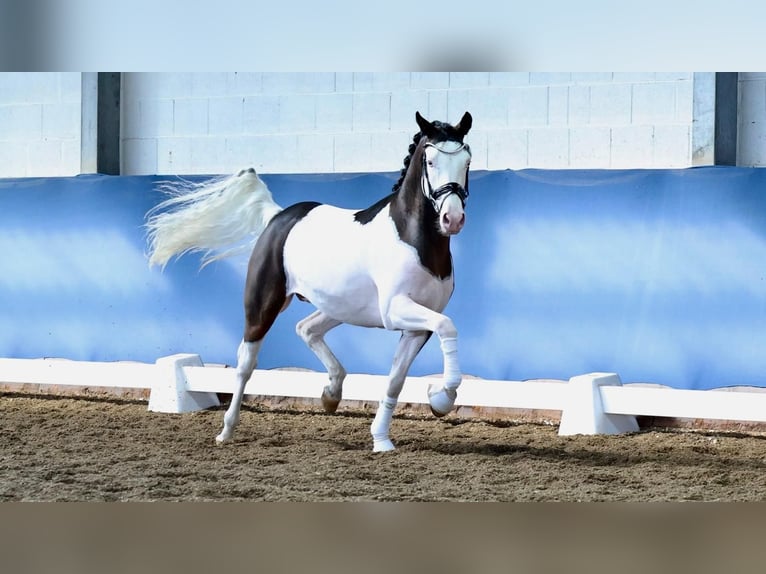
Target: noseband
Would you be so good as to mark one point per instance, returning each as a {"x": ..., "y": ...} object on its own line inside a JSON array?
[{"x": 444, "y": 191}]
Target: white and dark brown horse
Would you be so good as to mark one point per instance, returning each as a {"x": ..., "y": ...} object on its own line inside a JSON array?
[{"x": 385, "y": 266}]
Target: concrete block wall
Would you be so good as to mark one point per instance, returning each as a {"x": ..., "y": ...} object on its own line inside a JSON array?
[
  {"x": 355, "y": 122},
  {"x": 40, "y": 124},
  {"x": 751, "y": 131},
  {"x": 175, "y": 123}
]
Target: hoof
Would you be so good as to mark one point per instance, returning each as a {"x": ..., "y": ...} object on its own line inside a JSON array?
[
  {"x": 222, "y": 438},
  {"x": 329, "y": 402},
  {"x": 382, "y": 445},
  {"x": 441, "y": 401}
]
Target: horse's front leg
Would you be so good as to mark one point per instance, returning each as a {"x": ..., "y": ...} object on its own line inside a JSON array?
[
  {"x": 409, "y": 346},
  {"x": 404, "y": 313}
]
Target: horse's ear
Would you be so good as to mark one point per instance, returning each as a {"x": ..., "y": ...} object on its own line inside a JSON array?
[
  {"x": 425, "y": 126},
  {"x": 464, "y": 124}
]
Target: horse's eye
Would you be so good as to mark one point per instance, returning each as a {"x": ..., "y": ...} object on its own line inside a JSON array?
[{"x": 430, "y": 163}]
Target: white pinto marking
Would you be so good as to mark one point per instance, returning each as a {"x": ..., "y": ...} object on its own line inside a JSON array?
[
  {"x": 351, "y": 272},
  {"x": 447, "y": 162}
]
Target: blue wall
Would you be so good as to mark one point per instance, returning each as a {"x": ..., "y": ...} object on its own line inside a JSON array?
[{"x": 655, "y": 275}]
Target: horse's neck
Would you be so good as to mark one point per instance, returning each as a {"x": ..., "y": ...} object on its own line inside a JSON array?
[{"x": 416, "y": 223}]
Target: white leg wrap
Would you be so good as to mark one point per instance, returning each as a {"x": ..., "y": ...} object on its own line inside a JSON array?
[
  {"x": 452, "y": 374},
  {"x": 442, "y": 396},
  {"x": 381, "y": 424}
]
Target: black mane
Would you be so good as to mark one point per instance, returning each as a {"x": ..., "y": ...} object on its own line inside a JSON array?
[{"x": 366, "y": 215}]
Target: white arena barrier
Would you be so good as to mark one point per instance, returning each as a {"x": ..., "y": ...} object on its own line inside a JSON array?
[{"x": 594, "y": 403}]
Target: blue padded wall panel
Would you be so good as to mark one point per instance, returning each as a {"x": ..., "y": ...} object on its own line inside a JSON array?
[{"x": 657, "y": 275}]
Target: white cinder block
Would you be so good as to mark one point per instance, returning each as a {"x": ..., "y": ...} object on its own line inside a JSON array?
[
  {"x": 403, "y": 107},
  {"x": 458, "y": 103},
  {"x": 632, "y": 147},
  {"x": 245, "y": 83},
  {"x": 578, "y": 100},
  {"x": 21, "y": 122},
  {"x": 589, "y": 147},
  {"x": 610, "y": 104},
  {"x": 632, "y": 77},
  {"x": 685, "y": 101},
  {"x": 591, "y": 77},
  {"x": 173, "y": 156},
  {"x": 489, "y": 108},
  {"x": 464, "y": 80},
  {"x": 297, "y": 113},
  {"x": 315, "y": 153},
  {"x": 344, "y": 82},
  {"x": 153, "y": 85},
  {"x": 477, "y": 139},
  {"x": 29, "y": 87},
  {"x": 44, "y": 158},
  {"x": 333, "y": 112},
  {"x": 388, "y": 150},
  {"x": 507, "y": 79},
  {"x": 751, "y": 149},
  {"x": 298, "y": 82},
  {"x": 505, "y": 149},
  {"x": 61, "y": 120},
  {"x": 190, "y": 117},
  {"x": 70, "y": 86},
  {"x": 653, "y": 103},
  {"x": 226, "y": 115},
  {"x": 752, "y": 100},
  {"x": 549, "y": 148},
  {"x": 549, "y": 78},
  {"x": 371, "y": 112},
  {"x": 155, "y": 118},
  {"x": 211, "y": 84},
  {"x": 528, "y": 107},
  {"x": 240, "y": 153},
  {"x": 261, "y": 114},
  {"x": 352, "y": 152},
  {"x": 390, "y": 81},
  {"x": 13, "y": 159},
  {"x": 208, "y": 156},
  {"x": 274, "y": 153},
  {"x": 672, "y": 76},
  {"x": 139, "y": 156},
  {"x": 437, "y": 107},
  {"x": 558, "y": 106},
  {"x": 672, "y": 146},
  {"x": 363, "y": 82},
  {"x": 429, "y": 80},
  {"x": 70, "y": 157}
]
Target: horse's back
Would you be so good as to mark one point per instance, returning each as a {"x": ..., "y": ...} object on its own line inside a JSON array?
[{"x": 327, "y": 261}]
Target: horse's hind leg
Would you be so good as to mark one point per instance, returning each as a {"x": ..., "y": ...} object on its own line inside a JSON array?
[
  {"x": 265, "y": 298},
  {"x": 312, "y": 330},
  {"x": 247, "y": 360},
  {"x": 409, "y": 346}
]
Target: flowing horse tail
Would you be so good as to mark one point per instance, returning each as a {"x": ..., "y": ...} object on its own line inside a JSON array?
[{"x": 221, "y": 217}]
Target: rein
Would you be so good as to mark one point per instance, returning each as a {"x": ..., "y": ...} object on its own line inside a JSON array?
[{"x": 444, "y": 191}]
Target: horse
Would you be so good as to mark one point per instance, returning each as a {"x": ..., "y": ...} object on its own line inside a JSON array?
[{"x": 387, "y": 266}]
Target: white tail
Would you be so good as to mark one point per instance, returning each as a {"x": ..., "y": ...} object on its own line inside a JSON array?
[{"x": 214, "y": 216}]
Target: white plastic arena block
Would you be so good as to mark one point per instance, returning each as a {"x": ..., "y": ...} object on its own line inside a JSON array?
[
  {"x": 583, "y": 412},
  {"x": 169, "y": 393}
]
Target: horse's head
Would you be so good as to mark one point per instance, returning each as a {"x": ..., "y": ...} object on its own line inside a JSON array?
[{"x": 446, "y": 159}]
